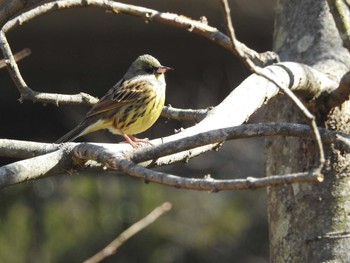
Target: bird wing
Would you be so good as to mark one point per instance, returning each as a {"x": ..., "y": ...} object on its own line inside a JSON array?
[{"x": 123, "y": 93}]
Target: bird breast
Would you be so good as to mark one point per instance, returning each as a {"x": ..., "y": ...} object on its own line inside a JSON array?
[{"x": 143, "y": 113}]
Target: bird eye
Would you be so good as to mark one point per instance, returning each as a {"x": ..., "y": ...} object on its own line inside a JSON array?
[{"x": 151, "y": 70}]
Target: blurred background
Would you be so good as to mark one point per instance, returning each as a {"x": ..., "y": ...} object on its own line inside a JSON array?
[{"x": 70, "y": 217}]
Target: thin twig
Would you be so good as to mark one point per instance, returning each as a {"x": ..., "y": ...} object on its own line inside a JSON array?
[
  {"x": 341, "y": 15},
  {"x": 59, "y": 99},
  {"x": 198, "y": 27},
  {"x": 12, "y": 65},
  {"x": 111, "y": 248},
  {"x": 231, "y": 33},
  {"x": 17, "y": 56},
  {"x": 29, "y": 94},
  {"x": 210, "y": 184},
  {"x": 287, "y": 91}
]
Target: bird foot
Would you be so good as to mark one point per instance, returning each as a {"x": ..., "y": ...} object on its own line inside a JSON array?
[{"x": 132, "y": 140}]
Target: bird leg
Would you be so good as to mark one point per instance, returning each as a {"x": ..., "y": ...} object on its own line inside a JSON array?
[
  {"x": 145, "y": 140},
  {"x": 132, "y": 140}
]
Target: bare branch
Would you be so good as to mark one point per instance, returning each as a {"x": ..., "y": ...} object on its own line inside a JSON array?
[
  {"x": 198, "y": 27},
  {"x": 9, "y": 8},
  {"x": 58, "y": 99},
  {"x": 111, "y": 248},
  {"x": 24, "y": 149},
  {"x": 121, "y": 156},
  {"x": 341, "y": 15},
  {"x": 37, "y": 167},
  {"x": 185, "y": 114},
  {"x": 12, "y": 65},
  {"x": 29, "y": 94},
  {"x": 212, "y": 185},
  {"x": 341, "y": 140},
  {"x": 17, "y": 57},
  {"x": 231, "y": 32}
]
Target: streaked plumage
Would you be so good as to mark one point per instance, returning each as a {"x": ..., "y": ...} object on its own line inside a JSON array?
[{"x": 131, "y": 106}]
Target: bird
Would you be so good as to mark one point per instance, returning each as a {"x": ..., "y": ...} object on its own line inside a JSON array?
[{"x": 131, "y": 106}]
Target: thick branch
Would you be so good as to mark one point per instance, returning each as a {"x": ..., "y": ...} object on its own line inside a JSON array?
[
  {"x": 9, "y": 8},
  {"x": 34, "y": 168},
  {"x": 24, "y": 149},
  {"x": 187, "y": 114},
  {"x": 114, "y": 156}
]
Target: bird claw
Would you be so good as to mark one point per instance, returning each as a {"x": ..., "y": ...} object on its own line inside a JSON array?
[{"x": 132, "y": 140}]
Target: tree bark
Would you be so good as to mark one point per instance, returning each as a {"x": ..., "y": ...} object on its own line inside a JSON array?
[{"x": 309, "y": 222}]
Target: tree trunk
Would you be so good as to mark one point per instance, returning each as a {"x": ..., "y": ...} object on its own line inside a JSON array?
[{"x": 309, "y": 222}]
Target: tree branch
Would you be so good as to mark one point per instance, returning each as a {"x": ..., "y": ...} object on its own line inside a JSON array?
[
  {"x": 54, "y": 163},
  {"x": 147, "y": 14},
  {"x": 341, "y": 15},
  {"x": 185, "y": 114},
  {"x": 212, "y": 185},
  {"x": 111, "y": 248},
  {"x": 17, "y": 57},
  {"x": 200, "y": 27},
  {"x": 24, "y": 149},
  {"x": 9, "y": 8},
  {"x": 73, "y": 156}
]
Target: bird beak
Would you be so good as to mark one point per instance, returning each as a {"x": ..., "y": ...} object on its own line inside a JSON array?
[{"x": 163, "y": 69}]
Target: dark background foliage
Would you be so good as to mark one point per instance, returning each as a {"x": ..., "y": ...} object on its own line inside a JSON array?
[{"x": 68, "y": 218}]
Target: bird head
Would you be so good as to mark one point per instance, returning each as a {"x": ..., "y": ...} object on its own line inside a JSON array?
[{"x": 146, "y": 65}]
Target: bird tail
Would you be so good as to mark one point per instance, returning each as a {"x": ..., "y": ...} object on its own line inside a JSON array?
[{"x": 73, "y": 134}]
